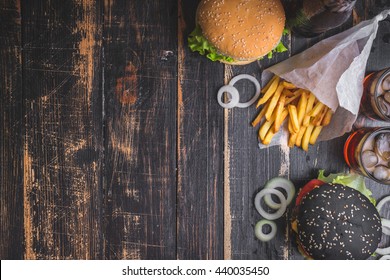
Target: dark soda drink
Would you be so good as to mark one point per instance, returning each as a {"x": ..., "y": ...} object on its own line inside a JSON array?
[
  {"x": 367, "y": 151},
  {"x": 375, "y": 102}
]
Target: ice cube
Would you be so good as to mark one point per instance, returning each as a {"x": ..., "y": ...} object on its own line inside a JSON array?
[
  {"x": 382, "y": 145},
  {"x": 382, "y": 173},
  {"x": 386, "y": 83},
  {"x": 384, "y": 106},
  {"x": 369, "y": 159},
  {"x": 386, "y": 96}
]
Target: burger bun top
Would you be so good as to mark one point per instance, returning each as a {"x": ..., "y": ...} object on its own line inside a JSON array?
[
  {"x": 245, "y": 30},
  {"x": 338, "y": 222}
]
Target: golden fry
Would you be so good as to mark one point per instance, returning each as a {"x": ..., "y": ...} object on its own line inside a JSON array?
[
  {"x": 257, "y": 120},
  {"x": 271, "y": 90},
  {"x": 306, "y": 137},
  {"x": 310, "y": 102},
  {"x": 289, "y": 85},
  {"x": 318, "y": 119},
  {"x": 302, "y": 107},
  {"x": 314, "y": 134},
  {"x": 289, "y": 126},
  {"x": 309, "y": 107},
  {"x": 316, "y": 110},
  {"x": 297, "y": 94},
  {"x": 298, "y": 140},
  {"x": 278, "y": 112},
  {"x": 273, "y": 102},
  {"x": 292, "y": 110},
  {"x": 306, "y": 120},
  {"x": 328, "y": 117},
  {"x": 292, "y": 139},
  {"x": 288, "y": 92},
  {"x": 264, "y": 89},
  {"x": 283, "y": 116},
  {"x": 267, "y": 139},
  {"x": 267, "y": 125},
  {"x": 264, "y": 128}
]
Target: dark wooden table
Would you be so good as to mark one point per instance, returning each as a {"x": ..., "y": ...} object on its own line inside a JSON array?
[{"x": 112, "y": 143}]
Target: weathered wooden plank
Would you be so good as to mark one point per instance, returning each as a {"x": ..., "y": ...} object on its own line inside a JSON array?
[
  {"x": 380, "y": 51},
  {"x": 250, "y": 168},
  {"x": 11, "y": 132},
  {"x": 200, "y": 149},
  {"x": 63, "y": 139},
  {"x": 140, "y": 92}
]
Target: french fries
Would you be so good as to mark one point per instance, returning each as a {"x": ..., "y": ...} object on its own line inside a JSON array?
[
  {"x": 292, "y": 111},
  {"x": 273, "y": 102},
  {"x": 270, "y": 91},
  {"x": 306, "y": 115}
]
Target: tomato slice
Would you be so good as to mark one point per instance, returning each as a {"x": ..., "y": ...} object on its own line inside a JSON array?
[{"x": 307, "y": 188}]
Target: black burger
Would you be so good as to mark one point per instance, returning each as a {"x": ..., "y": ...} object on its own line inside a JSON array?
[{"x": 335, "y": 222}]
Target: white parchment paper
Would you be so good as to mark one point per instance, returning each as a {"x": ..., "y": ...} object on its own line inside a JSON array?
[{"x": 334, "y": 71}]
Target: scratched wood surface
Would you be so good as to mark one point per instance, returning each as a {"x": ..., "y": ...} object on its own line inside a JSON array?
[
  {"x": 140, "y": 54},
  {"x": 112, "y": 144},
  {"x": 11, "y": 132}
]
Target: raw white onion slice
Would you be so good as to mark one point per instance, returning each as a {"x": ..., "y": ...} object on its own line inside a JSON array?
[
  {"x": 279, "y": 182},
  {"x": 385, "y": 223},
  {"x": 385, "y": 226},
  {"x": 383, "y": 251},
  {"x": 385, "y": 257},
  {"x": 254, "y": 81},
  {"x": 382, "y": 202},
  {"x": 259, "y": 230},
  {"x": 232, "y": 94},
  {"x": 270, "y": 216}
]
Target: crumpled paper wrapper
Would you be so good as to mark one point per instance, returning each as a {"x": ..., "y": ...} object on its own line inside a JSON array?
[{"x": 334, "y": 71}]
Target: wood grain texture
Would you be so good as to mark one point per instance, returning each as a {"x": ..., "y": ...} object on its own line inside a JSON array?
[
  {"x": 11, "y": 131},
  {"x": 200, "y": 149},
  {"x": 113, "y": 145},
  {"x": 140, "y": 89},
  {"x": 250, "y": 168},
  {"x": 63, "y": 138}
]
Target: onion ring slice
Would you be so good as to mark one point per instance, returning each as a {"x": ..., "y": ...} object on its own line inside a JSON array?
[
  {"x": 385, "y": 257},
  {"x": 257, "y": 86},
  {"x": 385, "y": 226},
  {"x": 233, "y": 94},
  {"x": 383, "y": 251},
  {"x": 270, "y": 216},
  {"x": 279, "y": 182},
  {"x": 259, "y": 230},
  {"x": 382, "y": 202}
]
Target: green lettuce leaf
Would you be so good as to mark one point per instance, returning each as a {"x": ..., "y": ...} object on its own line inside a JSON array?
[
  {"x": 354, "y": 181},
  {"x": 198, "y": 43},
  {"x": 278, "y": 49}
]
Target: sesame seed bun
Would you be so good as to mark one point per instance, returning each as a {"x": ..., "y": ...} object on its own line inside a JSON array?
[
  {"x": 337, "y": 222},
  {"x": 245, "y": 30}
]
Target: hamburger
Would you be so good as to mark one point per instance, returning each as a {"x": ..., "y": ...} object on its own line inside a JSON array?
[
  {"x": 238, "y": 31},
  {"x": 333, "y": 221}
]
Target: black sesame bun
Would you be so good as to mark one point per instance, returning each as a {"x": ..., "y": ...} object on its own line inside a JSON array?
[
  {"x": 244, "y": 30},
  {"x": 337, "y": 222}
]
